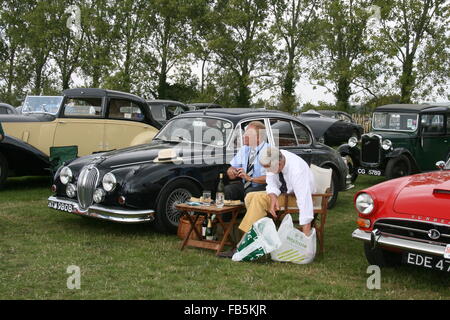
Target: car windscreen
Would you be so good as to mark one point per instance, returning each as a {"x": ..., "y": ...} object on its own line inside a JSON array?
[
  {"x": 395, "y": 121},
  {"x": 204, "y": 130},
  {"x": 39, "y": 104}
]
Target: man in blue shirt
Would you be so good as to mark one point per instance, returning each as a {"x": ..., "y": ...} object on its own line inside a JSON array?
[{"x": 246, "y": 173}]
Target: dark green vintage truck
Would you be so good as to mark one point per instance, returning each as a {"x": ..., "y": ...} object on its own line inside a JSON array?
[{"x": 405, "y": 139}]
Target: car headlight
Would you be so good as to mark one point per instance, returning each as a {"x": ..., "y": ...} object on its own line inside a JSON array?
[
  {"x": 71, "y": 190},
  {"x": 66, "y": 175},
  {"x": 387, "y": 144},
  {"x": 109, "y": 182},
  {"x": 352, "y": 142},
  {"x": 364, "y": 203},
  {"x": 99, "y": 195}
]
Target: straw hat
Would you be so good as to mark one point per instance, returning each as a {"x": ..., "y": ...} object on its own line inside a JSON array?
[{"x": 168, "y": 155}]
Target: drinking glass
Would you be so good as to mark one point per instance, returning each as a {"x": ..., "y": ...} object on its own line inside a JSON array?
[{"x": 206, "y": 198}]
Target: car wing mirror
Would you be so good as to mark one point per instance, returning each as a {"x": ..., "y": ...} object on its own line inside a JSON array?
[{"x": 440, "y": 165}]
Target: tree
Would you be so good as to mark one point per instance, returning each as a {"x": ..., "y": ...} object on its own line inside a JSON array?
[
  {"x": 294, "y": 25},
  {"x": 342, "y": 55},
  {"x": 14, "y": 72},
  {"x": 240, "y": 45},
  {"x": 415, "y": 35}
]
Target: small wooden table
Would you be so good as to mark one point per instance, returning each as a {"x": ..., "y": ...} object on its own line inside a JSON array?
[{"x": 209, "y": 210}]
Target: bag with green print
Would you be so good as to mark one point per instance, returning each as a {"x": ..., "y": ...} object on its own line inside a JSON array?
[
  {"x": 296, "y": 247},
  {"x": 262, "y": 239}
]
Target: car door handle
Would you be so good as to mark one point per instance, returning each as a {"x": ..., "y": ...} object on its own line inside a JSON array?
[{"x": 307, "y": 150}]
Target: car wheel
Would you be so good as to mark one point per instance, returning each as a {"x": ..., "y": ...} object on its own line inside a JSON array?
[
  {"x": 398, "y": 167},
  {"x": 333, "y": 189},
  {"x": 3, "y": 170},
  {"x": 167, "y": 216},
  {"x": 380, "y": 257}
]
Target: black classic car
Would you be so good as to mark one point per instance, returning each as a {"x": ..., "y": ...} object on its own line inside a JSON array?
[
  {"x": 331, "y": 131},
  {"x": 7, "y": 109},
  {"x": 164, "y": 110},
  {"x": 405, "y": 139},
  {"x": 82, "y": 121},
  {"x": 136, "y": 185}
]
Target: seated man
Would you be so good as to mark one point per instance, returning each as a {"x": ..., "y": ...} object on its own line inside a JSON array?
[
  {"x": 286, "y": 173},
  {"x": 245, "y": 165}
]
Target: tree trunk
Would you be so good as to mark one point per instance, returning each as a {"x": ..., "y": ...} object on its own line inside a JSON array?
[
  {"x": 343, "y": 94},
  {"x": 407, "y": 80}
]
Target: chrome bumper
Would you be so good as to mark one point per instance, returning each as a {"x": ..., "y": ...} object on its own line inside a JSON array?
[
  {"x": 104, "y": 213},
  {"x": 407, "y": 245}
]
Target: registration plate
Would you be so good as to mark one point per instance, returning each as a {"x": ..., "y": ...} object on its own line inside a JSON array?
[
  {"x": 370, "y": 172},
  {"x": 425, "y": 261},
  {"x": 60, "y": 206}
]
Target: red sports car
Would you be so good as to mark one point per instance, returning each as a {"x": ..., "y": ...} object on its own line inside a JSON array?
[{"x": 407, "y": 220}]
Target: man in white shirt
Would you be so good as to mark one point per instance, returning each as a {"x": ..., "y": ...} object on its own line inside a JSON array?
[{"x": 285, "y": 173}]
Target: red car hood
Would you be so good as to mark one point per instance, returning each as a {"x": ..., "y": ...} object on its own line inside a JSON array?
[{"x": 425, "y": 195}]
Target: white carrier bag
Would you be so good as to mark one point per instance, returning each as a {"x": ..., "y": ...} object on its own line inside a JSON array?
[
  {"x": 295, "y": 247},
  {"x": 259, "y": 241}
]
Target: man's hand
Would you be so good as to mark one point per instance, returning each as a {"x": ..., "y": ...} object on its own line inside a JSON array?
[
  {"x": 232, "y": 173},
  {"x": 274, "y": 206},
  {"x": 243, "y": 175},
  {"x": 306, "y": 229}
]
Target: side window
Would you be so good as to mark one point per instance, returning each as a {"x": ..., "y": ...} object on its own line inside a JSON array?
[
  {"x": 302, "y": 134},
  {"x": 236, "y": 140},
  {"x": 432, "y": 124},
  {"x": 83, "y": 107},
  {"x": 448, "y": 124},
  {"x": 173, "y": 111},
  {"x": 124, "y": 110},
  {"x": 283, "y": 134}
]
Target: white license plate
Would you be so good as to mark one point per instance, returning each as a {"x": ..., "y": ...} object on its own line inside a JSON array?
[
  {"x": 60, "y": 206},
  {"x": 370, "y": 172},
  {"x": 425, "y": 261}
]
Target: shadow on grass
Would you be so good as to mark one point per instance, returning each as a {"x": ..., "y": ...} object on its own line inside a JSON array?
[{"x": 26, "y": 183}]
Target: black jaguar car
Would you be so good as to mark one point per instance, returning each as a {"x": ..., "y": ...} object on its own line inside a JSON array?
[
  {"x": 331, "y": 130},
  {"x": 140, "y": 184}
]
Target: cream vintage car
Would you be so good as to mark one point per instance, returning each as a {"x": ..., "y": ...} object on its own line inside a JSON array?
[{"x": 83, "y": 121}]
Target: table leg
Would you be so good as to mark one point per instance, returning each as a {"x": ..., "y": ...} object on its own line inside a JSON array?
[{"x": 227, "y": 231}]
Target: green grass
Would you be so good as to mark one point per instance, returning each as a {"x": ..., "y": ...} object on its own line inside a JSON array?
[{"x": 37, "y": 245}]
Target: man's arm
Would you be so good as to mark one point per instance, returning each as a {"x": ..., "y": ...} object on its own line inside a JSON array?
[{"x": 303, "y": 194}]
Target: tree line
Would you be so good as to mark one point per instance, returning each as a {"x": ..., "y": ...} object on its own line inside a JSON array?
[{"x": 228, "y": 51}]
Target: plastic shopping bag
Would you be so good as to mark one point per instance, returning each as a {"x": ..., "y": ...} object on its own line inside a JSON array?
[
  {"x": 259, "y": 241},
  {"x": 296, "y": 247}
]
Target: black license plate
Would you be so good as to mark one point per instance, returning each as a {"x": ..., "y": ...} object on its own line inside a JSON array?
[
  {"x": 426, "y": 261},
  {"x": 60, "y": 206},
  {"x": 370, "y": 172}
]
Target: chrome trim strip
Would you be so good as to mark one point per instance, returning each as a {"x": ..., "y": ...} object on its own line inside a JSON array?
[
  {"x": 404, "y": 244},
  {"x": 413, "y": 220},
  {"x": 409, "y": 229},
  {"x": 104, "y": 213}
]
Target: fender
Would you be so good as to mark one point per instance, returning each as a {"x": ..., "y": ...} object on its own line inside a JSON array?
[
  {"x": 23, "y": 158},
  {"x": 354, "y": 153},
  {"x": 403, "y": 151}
]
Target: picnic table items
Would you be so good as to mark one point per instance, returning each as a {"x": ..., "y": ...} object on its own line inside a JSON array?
[{"x": 194, "y": 212}]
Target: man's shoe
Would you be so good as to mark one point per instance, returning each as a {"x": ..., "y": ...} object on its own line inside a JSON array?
[{"x": 227, "y": 254}]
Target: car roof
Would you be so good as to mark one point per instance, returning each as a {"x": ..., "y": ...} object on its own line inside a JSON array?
[
  {"x": 94, "y": 92},
  {"x": 428, "y": 107},
  {"x": 237, "y": 114},
  {"x": 162, "y": 101},
  {"x": 205, "y": 105}
]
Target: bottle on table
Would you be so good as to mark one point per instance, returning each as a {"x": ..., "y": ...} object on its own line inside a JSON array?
[{"x": 220, "y": 194}]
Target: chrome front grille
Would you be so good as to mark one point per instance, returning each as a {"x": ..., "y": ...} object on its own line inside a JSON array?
[
  {"x": 415, "y": 230},
  {"x": 87, "y": 182},
  {"x": 370, "y": 149}
]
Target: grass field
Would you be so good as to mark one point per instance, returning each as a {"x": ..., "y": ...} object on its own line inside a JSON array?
[{"x": 38, "y": 244}]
